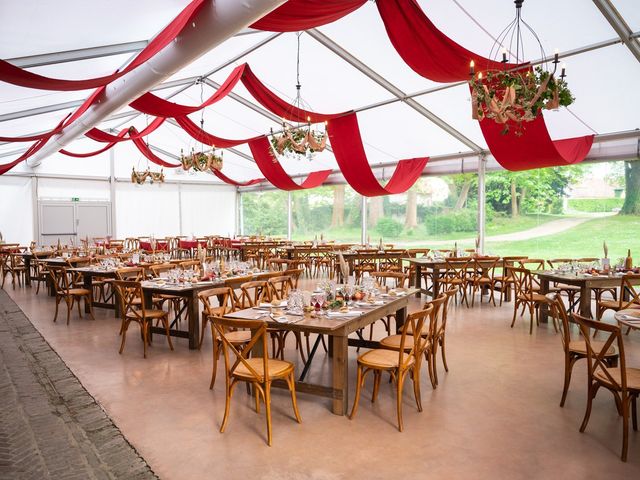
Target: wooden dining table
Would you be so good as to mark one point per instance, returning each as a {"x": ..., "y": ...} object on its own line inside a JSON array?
[
  {"x": 28, "y": 257},
  {"x": 435, "y": 266},
  {"x": 629, "y": 318},
  {"x": 586, "y": 283},
  {"x": 337, "y": 328}
]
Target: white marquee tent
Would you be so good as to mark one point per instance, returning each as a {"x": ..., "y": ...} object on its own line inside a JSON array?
[{"x": 349, "y": 64}]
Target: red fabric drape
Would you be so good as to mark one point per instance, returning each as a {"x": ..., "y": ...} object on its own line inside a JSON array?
[
  {"x": 200, "y": 135},
  {"x": 278, "y": 106},
  {"x": 101, "y": 136},
  {"x": 154, "y": 105},
  {"x": 423, "y": 47},
  {"x": 146, "y": 151},
  {"x": 226, "y": 179},
  {"x": 297, "y": 15},
  {"x": 275, "y": 174},
  {"x": 534, "y": 148},
  {"x": 346, "y": 142},
  {"x": 30, "y": 151},
  {"x": 17, "y": 76}
]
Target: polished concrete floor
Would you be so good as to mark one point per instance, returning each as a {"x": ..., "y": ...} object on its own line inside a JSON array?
[{"x": 495, "y": 414}]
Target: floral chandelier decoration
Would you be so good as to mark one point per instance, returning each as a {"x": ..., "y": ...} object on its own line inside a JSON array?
[
  {"x": 140, "y": 177},
  {"x": 518, "y": 95},
  {"x": 201, "y": 161},
  {"x": 300, "y": 141}
]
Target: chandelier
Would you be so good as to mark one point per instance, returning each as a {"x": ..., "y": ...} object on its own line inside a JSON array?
[
  {"x": 517, "y": 95},
  {"x": 140, "y": 177},
  {"x": 301, "y": 141},
  {"x": 201, "y": 161}
]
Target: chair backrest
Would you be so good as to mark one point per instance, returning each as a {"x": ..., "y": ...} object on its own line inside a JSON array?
[
  {"x": 451, "y": 292},
  {"x": 225, "y": 299},
  {"x": 630, "y": 285},
  {"x": 438, "y": 314},
  {"x": 191, "y": 264},
  {"x": 587, "y": 259},
  {"x": 258, "y": 337},
  {"x": 59, "y": 278},
  {"x": 400, "y": 279},
  {"x": 522, "y": 282},
  {"x": 130, "y": 298},
  {"x": 596, "y": 357},
  {"x": 252, "y": 293},
  {"x": 486, "y": 266},
  {"x": 280, "y": 286},
  {"x": 559, "y": 312},
  {"x": 156, "y": 270},
  {"x": 414, "y": 321},
  {"x": 456, "y": 267},
  {"x": 532, "y": 263},
  {"x": 294, "y": 274},
  {"x": 417, "y": 252},
  {"x": 133, "y": 274},
  {"x": 554, "y": 262}
]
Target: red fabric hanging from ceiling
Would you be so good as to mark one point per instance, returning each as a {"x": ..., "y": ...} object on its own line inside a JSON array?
[
  {"x": 226, "y": 179},
  {"x": 534, "y": 148},
  {"x": 201, "y": 136},
  {"x": 144, "y": 149},
  {"x": 275, "y": 174},
  {"x": 297, "y": 15},
  {"x": 278, "y": 106},
  {"x": 30, "y": 151},
  {"x": 154, "y": 105},
  {"x": 427, "y": 50},
  {"x": 18, "y": 76},
  {"x": 346, "y": 142}
]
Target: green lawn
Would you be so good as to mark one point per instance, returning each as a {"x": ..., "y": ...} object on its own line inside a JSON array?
[{"x": 585, "y": 240}]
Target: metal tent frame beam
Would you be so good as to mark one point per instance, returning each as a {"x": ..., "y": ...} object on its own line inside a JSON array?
[{"x": 619, "y": 24}]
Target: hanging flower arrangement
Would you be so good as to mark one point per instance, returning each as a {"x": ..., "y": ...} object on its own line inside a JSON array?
[
  {"x": 298, "y": 140},
  {"x": 517, "y": 96},
  {"x": 201, "y": 161},
  {"x": 140, "y": 177}
]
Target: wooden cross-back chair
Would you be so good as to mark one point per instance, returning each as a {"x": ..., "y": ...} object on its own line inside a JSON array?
[
  {"x": 628, "y": 289},
  {"x": 259, "y": 371},
  {"x": 252, "y": 293},
  {"x": 503, "y": 281},
  {"x": 226, "y": 304},
  {"x": 294, "y": 274},
  {"x": 483, "y": 277},
  {"x": 399, "y": 362},
  {"x": 622, "y": 381},
  {"x": 525, "y": 296},
  {"x": 456, "y": 274},
  {"x": 280, "y": 286},
  {"x": 133, "y": 309},
  {"x": 12, "y": 263},
  {"x": 398, "y": 280},
  {"x": 440, "y": 331},
  {"x": 574, "y": 350},
  {"x": 61, "y": 279}
]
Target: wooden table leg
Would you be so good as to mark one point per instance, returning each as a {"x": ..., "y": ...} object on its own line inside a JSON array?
[
  {"x": 543, "y": 307},
  {"x": 148, "y": 303},
  {"x": 27, "y": 269},
  {"x": 401, "y": 316},
  {"x": 585, "y": 300},
  {"x": 87, "y": 281},
  {"x": 435, "y": 288},
  {"x": 418, "y": 281},
  {"x": 194, "y": 324},
  {"x": 340, "y": 374}
]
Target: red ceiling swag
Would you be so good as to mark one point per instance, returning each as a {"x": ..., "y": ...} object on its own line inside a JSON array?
[
  {"x": 17, "y": 76},
  {"x": 346, "y": 142},
  {"x": 30, "y": 151},
  {"x": 275, "y": 174},
  {"x": 226, "y": 179},
  {"x": 146, "y": 151},
  {"x": 204, "y": 137},
  {"x": 534, "y": 148},
  {"x": 297, "y": 15},
  {"x": 427, "y": 50}
]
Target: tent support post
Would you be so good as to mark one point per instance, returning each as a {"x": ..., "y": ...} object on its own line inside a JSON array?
[{"x": 482, "y": 199}]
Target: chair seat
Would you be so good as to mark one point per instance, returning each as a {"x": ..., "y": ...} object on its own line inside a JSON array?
[
  {"x": 633, "y": 377},
  {"x": 393, "y": 342},
  {"x": 381, "y": 359},
  {"x": 536, "y": 297},
  {"x": 239, "y": 337},
  {"x": 277, "y": 368},
  {"x": 578, "y": 346},
  {"x": 148, "y": 314},
  {"x": 78, "y": 291},
  {"x": 613, "y": 304}
]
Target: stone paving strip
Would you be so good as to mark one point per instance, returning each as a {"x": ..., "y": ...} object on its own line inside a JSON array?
[{"x": 50, "y": 426}]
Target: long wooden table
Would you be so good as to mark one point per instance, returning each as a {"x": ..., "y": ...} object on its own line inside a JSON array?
[
  {"x": 338, "y": 328},
  {"x": 430, "y": 264},
  {"x": 584, "y": 281}
]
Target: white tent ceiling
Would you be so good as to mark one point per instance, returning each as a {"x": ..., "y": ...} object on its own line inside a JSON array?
[{"x": 602, "y": 79}]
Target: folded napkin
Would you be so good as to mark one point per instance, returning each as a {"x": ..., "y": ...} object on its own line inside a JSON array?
[
  {"x": 283, "y": 303},
  {"x": 350, "y": 313}
]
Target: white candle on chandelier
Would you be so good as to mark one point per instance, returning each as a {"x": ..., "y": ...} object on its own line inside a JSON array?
[
  {"x": 480, "y": 76},
  {"x": 472, "y": 68},
  {"x": 504, "y": 55}
]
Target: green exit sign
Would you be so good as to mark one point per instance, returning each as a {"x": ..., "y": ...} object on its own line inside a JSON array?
[{"x": 75, "y": 199}]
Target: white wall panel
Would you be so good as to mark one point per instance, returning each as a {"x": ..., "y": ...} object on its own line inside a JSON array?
[
  {"x": 208, "y": 210},
  {"x": 143, "y": 210},
  {"x": 66, "y": 189},
  {"x": 16, "y": 210}
]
